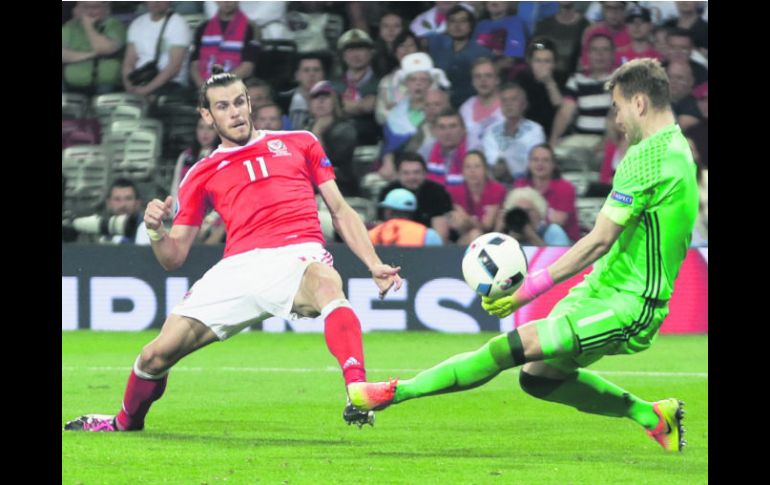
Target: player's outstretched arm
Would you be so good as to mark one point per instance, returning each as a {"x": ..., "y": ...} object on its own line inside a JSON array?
[
  {"x": 587, "y": 250},
  {"x": 581, "y": 255},
  {"x": 353, "y": 232},
  {"x": 171, "y": 248}
]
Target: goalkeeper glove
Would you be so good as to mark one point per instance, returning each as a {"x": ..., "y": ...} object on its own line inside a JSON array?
[{"x": 533, "y": 286}]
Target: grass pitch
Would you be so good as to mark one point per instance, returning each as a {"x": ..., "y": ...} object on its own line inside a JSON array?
[{"x": 267, "y": 409}]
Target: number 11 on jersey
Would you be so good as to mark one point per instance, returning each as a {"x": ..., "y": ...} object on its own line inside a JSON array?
[{"x": 250, "y": 168}]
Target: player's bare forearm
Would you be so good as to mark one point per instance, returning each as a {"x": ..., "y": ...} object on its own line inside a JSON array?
[
  {"x": 349, "y": 225},
  {"x": 586, "y": 251},
  {"x": 170, "y": 248},
  {"x": 168, "y": 253},
  {"x": 353, "y": 231}
]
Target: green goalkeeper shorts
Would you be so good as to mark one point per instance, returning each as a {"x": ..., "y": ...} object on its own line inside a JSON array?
[{"x": 606, "y": 321}]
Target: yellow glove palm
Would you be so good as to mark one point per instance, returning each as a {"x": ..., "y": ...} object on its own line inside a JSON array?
[{"x": 501, "y": 307}]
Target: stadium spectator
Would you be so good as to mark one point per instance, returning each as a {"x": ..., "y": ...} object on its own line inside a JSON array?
[
  {"x": 476, "y": 201},
  {"x": 432, "y": 21},
  {"x": 91, "y": 50},
  {"x": 390, "y": 91},
  {"x": 268, "y": 117},
  {"x": 679, "y": 48},
  {"x": 700, "y": 233},
  {"x": 311, "y": 68},
  {"x": 309, "y": 24},
  {"x": 436, "y": 102},
  {"x": 227, "y": 40},
  {"x": 274, "y": 262},
  {"x": 660, "y": 40},
  {"x": 585, "y": 100},
  {"x": 503, "y": 33},
  {"x": 433, "y": 201},
  {"x": 261, "y": 93},
  {"x": 523, "y": 218},
  {"x": 682, "y": 101},
  {"x": 639, "y": 24},
  {"x": 445, "y": 161},
  {"x": 565, "y": 29},
  {"x": 613, "y": 26},
  {"x": 205, "y": 141},
  {"x": 615, "y": 146},
  {"x": 455, "y": 51},
  {"x": 399, "y": 229},
  {"x": 601, "y": 316},
  {"x": 507, "y": 144},
  {"x": 418, "y": 75},
  {"x": 690, "y": 19},
  {"x": 544, "y": 176},
  {"x": 539, "y": 81},
  {"x": 143, "y": 36},
  {"x": 390, "y": 27},
  {"x": 660, "y": 11},
  {"x": 532, "y": 12},
  {"x": 481, "y": 111},
  {"x": 699, "y": 132},
  {"x": 123, "y": 199},
  {"x": 358, "y": 85},
  {"x": 337, "y": 134},
  {"x": 267, "y": 18}
]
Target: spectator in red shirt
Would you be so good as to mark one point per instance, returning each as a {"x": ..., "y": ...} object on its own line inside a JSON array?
[
  {"x": 639, "y": 24},
  {"x": 476, "y": 201},
  {"x": 543, "y": 175},
  {"x": 613, "y": 26}
]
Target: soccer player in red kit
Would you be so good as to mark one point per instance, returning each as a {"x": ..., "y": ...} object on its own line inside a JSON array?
[{"x": 262, "y": 184}]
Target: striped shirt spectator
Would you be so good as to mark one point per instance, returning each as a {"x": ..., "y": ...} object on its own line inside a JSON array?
[{"x": 593, "y": 102}]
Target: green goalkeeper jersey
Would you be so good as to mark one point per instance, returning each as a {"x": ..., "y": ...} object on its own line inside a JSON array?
[{"x": 655, "y": 198}]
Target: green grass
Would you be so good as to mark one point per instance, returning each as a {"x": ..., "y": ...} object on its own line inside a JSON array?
[{"x": 235, "y": 413}]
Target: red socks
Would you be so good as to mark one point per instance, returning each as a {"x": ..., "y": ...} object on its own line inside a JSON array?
[
  {"x": 342, "y": 331},
  {"x": 140, "y": 394}
]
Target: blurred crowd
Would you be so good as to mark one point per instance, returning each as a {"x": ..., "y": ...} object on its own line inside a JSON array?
[{"x": 443, "y": 120}]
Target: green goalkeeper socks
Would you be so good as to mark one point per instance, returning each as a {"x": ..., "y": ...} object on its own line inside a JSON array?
[
  {"x": 465, "y": 371},
  {"x": 472, "y": 369},
  {"x": 591, "y": 393}
]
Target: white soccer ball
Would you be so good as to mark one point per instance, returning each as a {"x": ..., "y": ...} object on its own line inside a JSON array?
[{"x": 494, "y": 265}]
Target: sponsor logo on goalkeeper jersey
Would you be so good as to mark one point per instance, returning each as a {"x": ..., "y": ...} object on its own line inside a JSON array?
[{"x": 622, "y": 198}]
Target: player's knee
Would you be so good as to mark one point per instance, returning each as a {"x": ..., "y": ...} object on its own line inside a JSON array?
[
  {"x": 556, "y": 338},
  {"x": 153, "y": 362},
  {"x": 537, "y": 386}
]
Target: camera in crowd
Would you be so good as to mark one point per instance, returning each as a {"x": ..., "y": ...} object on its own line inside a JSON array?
[
  {"x": 516, "y": 220},
  {"x": 103, "y": 225}
]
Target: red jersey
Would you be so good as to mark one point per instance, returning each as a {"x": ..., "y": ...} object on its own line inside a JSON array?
[
  {"x": 627, "y": 53},
  {"x": 264, "y": 191}
]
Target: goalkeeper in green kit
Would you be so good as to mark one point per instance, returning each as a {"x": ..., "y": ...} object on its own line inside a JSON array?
[{"x": 638, "y": 243}]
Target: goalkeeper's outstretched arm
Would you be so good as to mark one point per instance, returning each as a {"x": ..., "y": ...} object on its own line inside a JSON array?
[{"x": 587, "y": 250}]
